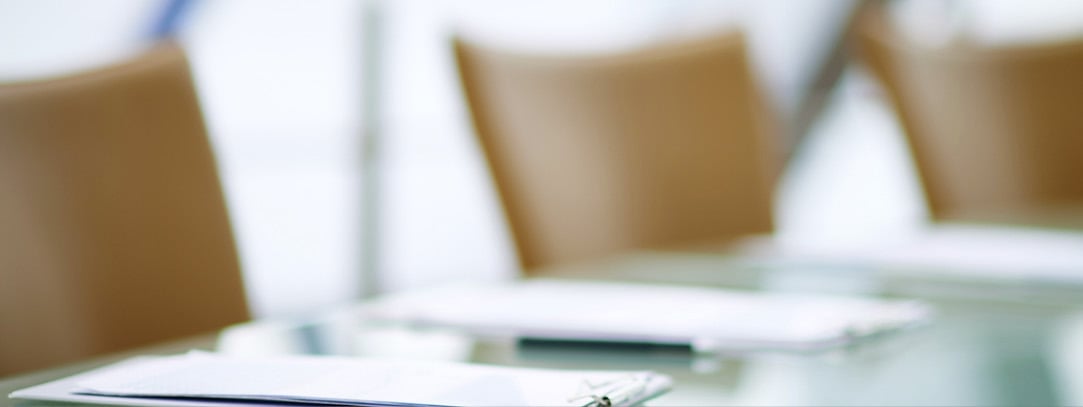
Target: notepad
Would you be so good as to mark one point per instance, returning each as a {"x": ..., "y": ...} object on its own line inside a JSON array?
[
  {"x": 707, "y": 319},
  {"x": 210, "y": 379}
]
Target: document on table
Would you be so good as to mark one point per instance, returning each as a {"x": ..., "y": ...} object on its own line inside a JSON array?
[
  {"x": 707, "y": 319},
  {"x": 1008, "y": 254},
  {"x": 216, "y": 380}
]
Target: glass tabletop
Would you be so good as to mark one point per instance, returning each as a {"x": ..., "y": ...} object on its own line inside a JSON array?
[
  {"x": 988, "y": 345},
  {"x": 999, "y": 348}
]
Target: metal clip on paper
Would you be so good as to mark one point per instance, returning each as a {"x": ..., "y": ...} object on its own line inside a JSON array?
[{"x": 610, "y": 393}]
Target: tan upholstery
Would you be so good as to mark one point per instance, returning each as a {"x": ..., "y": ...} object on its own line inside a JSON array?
[
  {"x": 593, "y": 155},
  {"x": 113, "y": 228},
  {"x": 994, "y": 131}
]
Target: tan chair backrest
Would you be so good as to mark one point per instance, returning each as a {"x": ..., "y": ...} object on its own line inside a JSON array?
[
  {"x": 594, "y": 155},
  {"x": 992, "y": 130},
  {"x": 113, "y": 227}
]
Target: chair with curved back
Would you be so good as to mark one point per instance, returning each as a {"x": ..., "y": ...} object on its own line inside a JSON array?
[
  {"x": 113, "y": 227},
  {"x": 995, "y": 131},
  {"x": 593, "y": 155}
]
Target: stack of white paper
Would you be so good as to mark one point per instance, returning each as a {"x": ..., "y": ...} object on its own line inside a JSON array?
[
  {"x": 708, "y": 319},
  {"x": 209, "y": 379}
]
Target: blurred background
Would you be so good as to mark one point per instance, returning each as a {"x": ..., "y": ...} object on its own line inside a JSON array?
[{"x": 284, "y": 92}]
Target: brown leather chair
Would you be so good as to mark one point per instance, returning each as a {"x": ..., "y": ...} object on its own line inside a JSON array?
[
  {"x": 996, "y": 132},
  {"x": 594, "y": 155},
  {"x": 113, "y": 227}
]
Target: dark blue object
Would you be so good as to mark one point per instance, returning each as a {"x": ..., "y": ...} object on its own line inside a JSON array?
[{"x": 170, "y": 19}]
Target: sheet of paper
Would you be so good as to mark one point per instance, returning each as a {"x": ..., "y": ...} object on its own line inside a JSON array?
[
  {"x": 978, "y": 252},
  {"x": 355, "y": 381},
  {"x": 61, "y": 391},
  {"x": 707, "y": 318}
]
